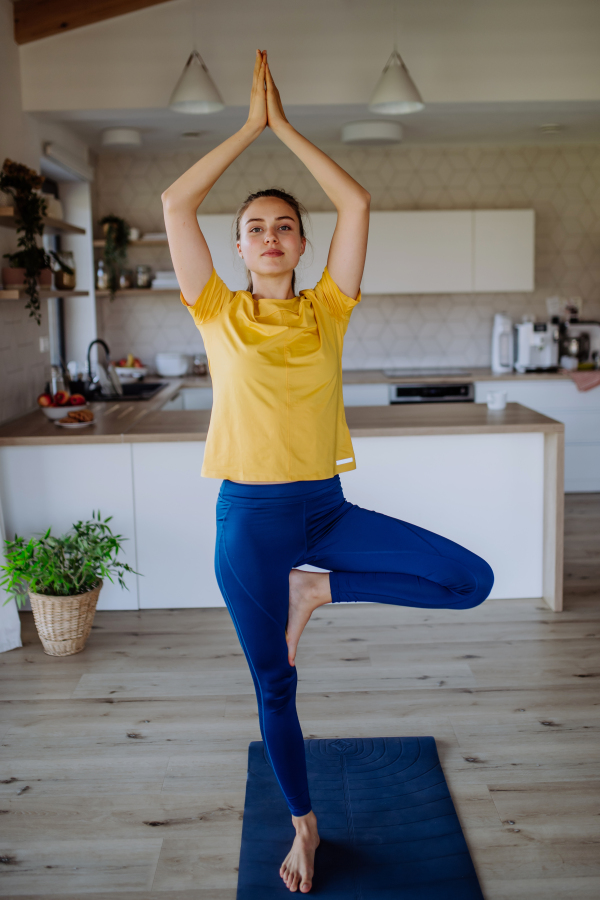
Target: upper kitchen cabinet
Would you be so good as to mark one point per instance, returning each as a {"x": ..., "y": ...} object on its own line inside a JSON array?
[
  {"x": 420, "y": 252},
  {"x": 411, "y": 252},
  {"x": 503, "y": 250}
]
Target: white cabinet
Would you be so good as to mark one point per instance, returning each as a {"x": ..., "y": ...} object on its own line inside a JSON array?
[
  {"x": 503, "y": 250},
  {"x": 435, "y": 251},
  {"x": 366, "y": 394},
  {"x": 410, "y": 252},
  {"x": 578, "y": 410},
  {"x": 421, "y": 252},
  {"x": 175, "y": 525},
  {"x": 190, "y": 398}
]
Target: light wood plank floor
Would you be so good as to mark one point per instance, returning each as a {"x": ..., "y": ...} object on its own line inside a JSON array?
[{"x": 122, "y": 768}]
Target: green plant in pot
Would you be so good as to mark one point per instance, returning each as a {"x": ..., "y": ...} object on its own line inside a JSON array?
[
  {"x": 63, "y": 577},
  {"x": 23, "y": 185},
  {"x": 116, "y": 231}
]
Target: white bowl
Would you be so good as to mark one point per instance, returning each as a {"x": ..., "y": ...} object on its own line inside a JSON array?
[
  {"x": 58, "y": 412},
  {"x": 131, "y": 371},
  {"x": 172, "y": 363}
]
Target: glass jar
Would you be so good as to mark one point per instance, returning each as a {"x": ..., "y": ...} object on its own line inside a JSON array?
[
  {"x": 65, "y": 274},
  {"x": 125, "y": 279},
  {"x": 200, "y": 366},
  {"x": 58, "y": 383},
  {"x": 101, "y": 276},
  {"x": 143, "y": 277}
]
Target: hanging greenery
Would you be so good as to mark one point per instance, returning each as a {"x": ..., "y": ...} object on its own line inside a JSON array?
[
  {"x": 23, "y": 185},
  {"x": 115, "y": 249}
]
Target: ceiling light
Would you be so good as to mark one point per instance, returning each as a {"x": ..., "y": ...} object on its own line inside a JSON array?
[
  {"x": 551, "y": 128},
  {"x": 395, "y": 92},
  {"x": 372, "y": 132},
  {"x": 121, "y": 137},
  {"x": 195, "y": 92}
]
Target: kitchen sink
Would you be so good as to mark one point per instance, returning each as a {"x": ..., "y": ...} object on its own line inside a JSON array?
[{"x": 139, "y": 390}]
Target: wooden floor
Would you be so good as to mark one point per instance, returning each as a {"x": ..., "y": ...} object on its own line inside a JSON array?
[{"x": 122, "y": 768}]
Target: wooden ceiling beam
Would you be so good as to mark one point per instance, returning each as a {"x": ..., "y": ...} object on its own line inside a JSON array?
[{"x": 36, "y": 19}]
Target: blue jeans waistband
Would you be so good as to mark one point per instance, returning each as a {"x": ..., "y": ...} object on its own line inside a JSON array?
[{"x": 285, "y": 491}]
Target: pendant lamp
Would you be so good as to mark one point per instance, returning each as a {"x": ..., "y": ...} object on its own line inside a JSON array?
[
  {"x": 395, "y": 92},
  {"x": 196, "y": 92}
]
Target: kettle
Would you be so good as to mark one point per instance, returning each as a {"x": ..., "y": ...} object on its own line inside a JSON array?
[{"x": 502, "y": 344}]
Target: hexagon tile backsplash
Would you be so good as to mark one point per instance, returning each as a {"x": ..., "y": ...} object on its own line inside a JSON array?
[{"x": 561, "y": 182}]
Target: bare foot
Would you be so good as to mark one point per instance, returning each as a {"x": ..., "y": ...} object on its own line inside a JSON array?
[
  {"x": 308, "y": 591},
  {"x": 298, "y": 867}
]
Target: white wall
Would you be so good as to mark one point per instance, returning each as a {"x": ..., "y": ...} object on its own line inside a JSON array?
[{"x": 323, "y": 53}]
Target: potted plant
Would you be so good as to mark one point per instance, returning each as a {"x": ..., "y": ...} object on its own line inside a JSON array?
[
  {"x": 15, "y": 273},
  {"x": 23, "y": 186},
  {"x": 63, "y": 577},
  {"x": 116, "y": 233}
]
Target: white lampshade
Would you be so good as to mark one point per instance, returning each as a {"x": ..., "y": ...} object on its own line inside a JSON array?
[
  {"x": 372, "y": 132},
  {"x": 195, "y": 92},
  {"x": 395, "y": 92}
]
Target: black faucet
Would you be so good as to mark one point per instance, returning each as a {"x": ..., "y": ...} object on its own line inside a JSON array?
[{"x": 89, "y": 361}]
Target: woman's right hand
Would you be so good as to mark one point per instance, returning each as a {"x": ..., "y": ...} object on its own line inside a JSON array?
[{"x": 257, "y": 115}]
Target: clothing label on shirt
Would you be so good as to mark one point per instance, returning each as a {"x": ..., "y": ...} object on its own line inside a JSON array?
[{"x": 340, "y": 462}]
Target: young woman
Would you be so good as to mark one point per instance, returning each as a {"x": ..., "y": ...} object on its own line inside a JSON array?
[{"x": 278, "y": 438}]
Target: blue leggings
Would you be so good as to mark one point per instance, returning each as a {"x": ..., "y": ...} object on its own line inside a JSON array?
[{"x": 263, "y": 531}]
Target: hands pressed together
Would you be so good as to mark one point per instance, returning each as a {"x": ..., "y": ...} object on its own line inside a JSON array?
[{"x": 265, "y": 103}]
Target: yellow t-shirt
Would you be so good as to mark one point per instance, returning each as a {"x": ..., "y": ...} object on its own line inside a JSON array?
[{"x": 276, "y": 367}]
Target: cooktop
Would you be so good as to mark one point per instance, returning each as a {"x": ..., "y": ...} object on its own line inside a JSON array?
[{"x": 411, "y": 373}]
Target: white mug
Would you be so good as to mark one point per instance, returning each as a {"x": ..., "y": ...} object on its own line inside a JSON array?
[{"x": 496, "y": 399}]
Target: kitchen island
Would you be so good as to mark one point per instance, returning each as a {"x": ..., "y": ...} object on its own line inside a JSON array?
[{"x": 492, "y": 481}]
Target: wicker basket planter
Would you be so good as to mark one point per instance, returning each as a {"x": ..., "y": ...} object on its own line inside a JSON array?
[{"x": 64, "y": 623}]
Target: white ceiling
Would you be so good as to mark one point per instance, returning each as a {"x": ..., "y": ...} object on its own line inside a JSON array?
[
  {"x": 490, "y": 71},
  {"x": 499, "y": 123}
]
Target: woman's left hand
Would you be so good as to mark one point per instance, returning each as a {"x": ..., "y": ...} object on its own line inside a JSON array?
[{"x": 275, "y": 113}]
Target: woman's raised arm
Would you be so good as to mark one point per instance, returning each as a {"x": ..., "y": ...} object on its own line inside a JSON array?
[
  {"x": 189, "y": 251},
  {"x": 348, "y": 248}
]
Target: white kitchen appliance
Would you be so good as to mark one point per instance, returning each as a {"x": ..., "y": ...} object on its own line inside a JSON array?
[
  {"x": 536, "y": 346},
  {"x": 170, "y": 363},
  {"x": 502, "y": 345}
]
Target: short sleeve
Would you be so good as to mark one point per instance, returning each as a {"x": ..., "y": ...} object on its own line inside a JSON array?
[
  {"x": 213, "y": 299},
  {"x": 329, "y": 294}
]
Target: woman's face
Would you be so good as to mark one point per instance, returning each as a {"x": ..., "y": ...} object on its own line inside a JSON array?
[{"x": 270, "y": 241}]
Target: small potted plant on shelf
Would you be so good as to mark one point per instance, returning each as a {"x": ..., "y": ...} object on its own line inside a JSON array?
[
  {"x": 23, "y": 186},
  {"x": 116, "y": 234},
  {"x": 63, "y": 577},
  {"x": 15, "y": 274}
]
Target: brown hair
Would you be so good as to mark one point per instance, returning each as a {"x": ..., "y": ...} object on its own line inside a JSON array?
[{"x": 281, "y": 195}]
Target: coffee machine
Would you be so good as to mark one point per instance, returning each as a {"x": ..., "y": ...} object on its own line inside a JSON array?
[{"x": 537, "y": 346}]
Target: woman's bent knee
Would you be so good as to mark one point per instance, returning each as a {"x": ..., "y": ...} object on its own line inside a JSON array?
[{"x": 278, "y": 690}]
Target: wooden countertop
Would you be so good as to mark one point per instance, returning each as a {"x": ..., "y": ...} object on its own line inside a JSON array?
[
  {"x": 133, "y": 422},
  {"x": 378, "y": 376}
]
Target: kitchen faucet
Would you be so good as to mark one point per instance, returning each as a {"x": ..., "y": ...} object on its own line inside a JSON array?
[{"x": 89, "y": 351}]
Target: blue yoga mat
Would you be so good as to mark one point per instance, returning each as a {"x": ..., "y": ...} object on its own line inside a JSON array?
[{"x": 386, "y": 819}]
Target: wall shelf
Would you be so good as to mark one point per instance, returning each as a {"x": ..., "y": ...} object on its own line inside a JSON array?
[
  {"x": 100, "y": 242},
  {"x": 146, "y": 291},
  {"x": 19, "y": 293},
  {"x": 7, "y": 219}
]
